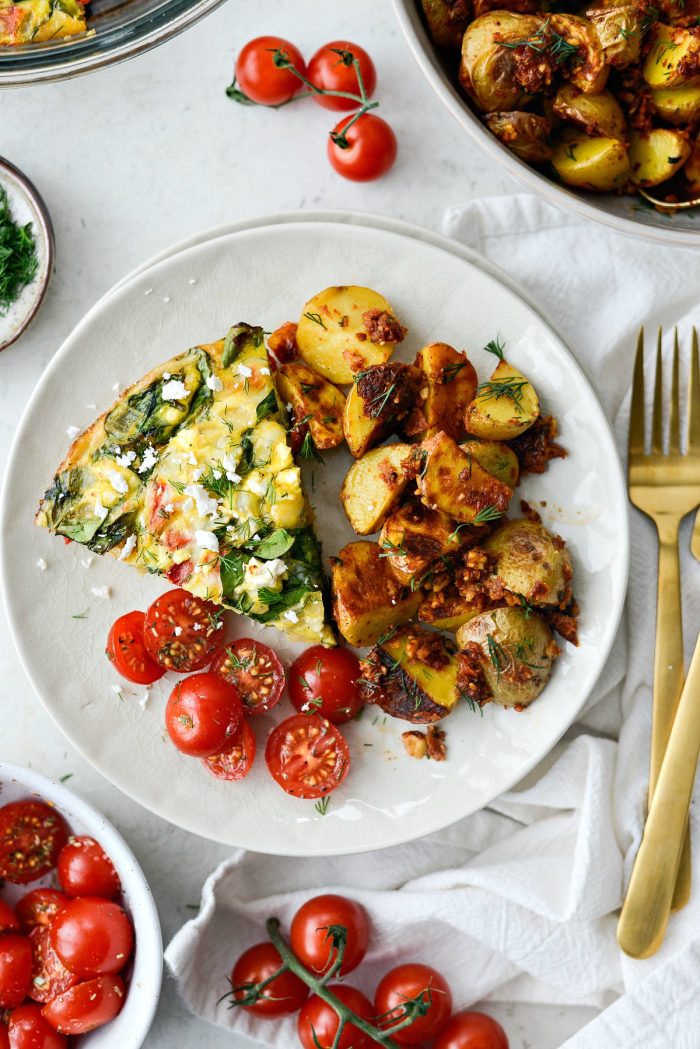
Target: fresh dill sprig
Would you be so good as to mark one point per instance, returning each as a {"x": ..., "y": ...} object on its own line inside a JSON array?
[
  {"x": 488, "y": 513},
  {"x": 19, "y": 262}
]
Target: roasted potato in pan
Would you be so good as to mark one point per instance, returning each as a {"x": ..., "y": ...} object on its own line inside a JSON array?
[
  {"x": 447, "y": 20},
  {"x": 497, "y": 458},
  {"x": 620, "y": 28},
  {"x": 673, "y": 58},
  {"x": 596, "y": 114},
  {"x": 413, "y": 537},
  {"x": 447, "y": 384},
  {"x": 526, "y": 134},
  {"x": 531, "y": 562},
  {"x": 599, "y": 164},
  {"x": 505, "y": 405},
  {"x": 367, "y": 599},
  {"x": 657, "y": 155},
  {"x": 412, "y": 675},
  {"x": 314, "y": 402},
  {"x": 584, "y": 60},
  {"x": 493, "y": 70},
  {"x": 373, "y": 485},
  {"x": 678, "y": 105},
  {"x": 345, "y": 329},
  {"x": 380, "y": 398},
  {"x": 454, "y": 483}
]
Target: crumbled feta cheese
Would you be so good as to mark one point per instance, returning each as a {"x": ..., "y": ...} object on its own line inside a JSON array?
[
  {"x": 175, "y": 390},
  {"x": 264, "y": 371},
  {"x": 207, "y": 506},
  {"x": 177, "y": 631},
  {"x": 126, "y": 459},
  {"x": 192, "y": 459},
  {"x": 41, "y": 564},
  {"x": 197, "y": 627},
  {"x": 187, "y": 505},
  {"x": 148, "y": 459},
  {"x": 214, "y": 383},
  {"x": 244, "y": 370},
  {"x": 291, "y": 615},
  {"x": 192, "y": 280},
  {"x": 166, "y": 298},
  {"x": 166, "y": 375},
  {"x": 144, "y": 698},
  {"x": 73, "y": 432},
  {"x": 168, "y": 508},
  {"x": 116, "y": 689},
  {"x": 117, "y": 482},
  {"x": 117, "y": 387},
  {"x": 101, "y": 591},
  {"x": 148, "y": 291},
  {"x": 206, "y": 540},
  {"x": 100, "y": 510},
  {"x": 263, "y": 573},
  {"x": 196, "y": 474},
  {"x": 217, "y": 475},
  {"x": 128, "y": 547},
  {"x": 91, "y": 407},
  {"x": 257, "y": 485}
]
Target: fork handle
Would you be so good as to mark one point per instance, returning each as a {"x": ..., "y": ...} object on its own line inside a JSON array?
[{"x": 668, "y": 671}]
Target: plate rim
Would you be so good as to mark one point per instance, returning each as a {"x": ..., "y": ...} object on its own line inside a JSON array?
[{"x": 373, "y": 222}]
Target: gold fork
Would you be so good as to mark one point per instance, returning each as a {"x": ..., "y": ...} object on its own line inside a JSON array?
[{"x": 666, "y": 486}]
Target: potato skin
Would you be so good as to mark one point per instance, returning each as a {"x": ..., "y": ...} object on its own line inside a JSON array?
[
  {"x": 345, "y": 329},
  {"x": 674, "y": 56},
  {"x": 497, "y": 458},
  {"x": 657, "y": 155},
  {"x": 380, "y": 398},
  {"x": 412, "y": 675},
  {"x": 504, "y": 407},
  {"x": 453, "y": 482},
  {"x": 619, "y": 31},
  {"x": 447, "y": 609},
  {"x": 589, "y": 162},
  {"x": 589, "y": 71},
  {"x": 447, "y": 20},
  {"x": 413, "y": 537},
  {"x": 314, "y": 399},
  {"x": 513, "y": 651},
  {"x": 596, "y": 114},
  {"x": 678, "y": 105},
  {"x": 525, "y": 134},
  {"x": 531, "y": 562},
  {"x": 488, "y": 70},
  {"x": 373, "y": 485},
  {"x": 448, "y": 381},
  {"x": 367, "y": 599}
]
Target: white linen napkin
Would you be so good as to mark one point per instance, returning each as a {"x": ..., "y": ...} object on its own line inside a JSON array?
[{"x": 518, "y": 902}]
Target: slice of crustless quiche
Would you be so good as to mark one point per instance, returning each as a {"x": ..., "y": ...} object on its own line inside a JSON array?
[
  {"x": 32, "y": 21},
  {"x": 190, "y": 475}
]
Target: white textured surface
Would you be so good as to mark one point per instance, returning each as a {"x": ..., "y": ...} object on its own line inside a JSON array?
[{"x": 144, "y": 154}]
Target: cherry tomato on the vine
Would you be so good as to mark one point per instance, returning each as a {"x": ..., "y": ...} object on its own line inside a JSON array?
[
  {"x": 255, "y": 672},
  {"x": 412, "y": 981},
  {"x": 317, "y": 1024},
  {"x": 126, "y": 649},
  {"x": 307, "y": 756},
  {"x": 202, "y": 714},
  {"x": 86, "y": 1006},
  {"x": 15, "y": 969},
  {"x": 92, "y": 937},
  {"x": 181, "y": 631},
  {"x": 49, "y": 975},
  {"x": 370, "y": 151},
  {"x": 27, "y": 1029},
  {"x": 237, "y": 760},
  {"x": 319, "y": 921},
  {"x": 284, "y": 995},
  {"x": 332, "y": 69},
  {"x": 31, "y": 836},
  {"x": 324, "y": 681},
  {"x": 9, "y": 921},
  {"x": 85, "y": 869},
  {"x": 472, "y": 1030},
  {"x": 40, "y": 907},
  {"x": 260, "y": 79}
]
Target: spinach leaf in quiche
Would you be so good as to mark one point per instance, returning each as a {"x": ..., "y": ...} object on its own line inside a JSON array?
[
  {"x": 275, "y": 545},
  {"x": 267, "y": 406},
  {"x": 238, "y": 338}
]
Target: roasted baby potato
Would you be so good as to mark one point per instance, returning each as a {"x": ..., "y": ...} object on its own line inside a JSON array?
[
  {"x": 345, "y": 329},
  {"x": 498, "y": 459},
  {"x": 673, "y": 58},
  {"x": 587, "y": 68},
  {"x": 447, "y": 20},
  {"x": 447, "y": 384},
  {"x": 678, "y": 105},
  {"x": 367, "y": 599},
  {"x": 692, "y": 168},
  {"x": 414, "y": 536},
  {"x": 454, "y": 483},
  {"x": 619, "y": 29},
  {"x": 596, "y": 114},
  {"x": 447, "y": 609},
  {"x": 504, "y": 406},
  {"x": 526, "y": 134},
  {"x": 379, "y": 399},
  {"x": 656, "y": 155},
  {"x": 599, "y": 164},
  {"x": 531, "y": 563},
  {"x": 373, "y": 486},
  {"x": 511, "y": 652},
  {"x": 491, "y": 71},
  {"x": 412, "y": 675},
  {"x": 315, "y": 403}
]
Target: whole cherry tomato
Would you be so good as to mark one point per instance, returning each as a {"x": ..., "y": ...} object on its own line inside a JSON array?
[
  {"x": 85, "y": 869},
  {"x": 317, "y": 1024},
  {"x": 181, "y": 631},
  {"x": 237, "y": 760},
  {"x": 261, "y": 79},
  {"x": 202, "y": 715},
  {"x": 414, "y": 981},
  {"x": 472, "y": 1030},
  {"x": 307, "y": 756},
  {"x": 92, "y": 937},
  {"x": 332, "y": 69},
  {"x": 49, "y": 975},
  {"x": 9, "y": 921},
  {"x": 86, "y": 1006},
  {"x": 284, "y": 995},
  {"x": 4, "y": 1036},
  {"x": 28, "y": 1029},
  {"x": 319, "y": 921},
  {"x": 15, "y": 969},
  {"x": 40, "y": 907},
  {"x": 31, "y": 836},
  {"x": 324, "y": 681},
  {"x": 255, "y": 672},
  {"x": 126, "y": 649},
  {"x": 370, "y": 148}
]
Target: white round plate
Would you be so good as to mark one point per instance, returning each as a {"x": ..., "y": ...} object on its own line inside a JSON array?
[{"x": 264, "y": 275}]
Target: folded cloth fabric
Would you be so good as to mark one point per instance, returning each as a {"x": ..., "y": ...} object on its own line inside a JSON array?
[{"x": 518, "y": 902}]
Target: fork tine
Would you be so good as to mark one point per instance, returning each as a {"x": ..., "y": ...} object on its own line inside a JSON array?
[
  {"x": 674, "y": 439},
  {"x": 657, "y": 436},
  {"x": 636, "y": 434},
  {"x": 694, "y": 397}
]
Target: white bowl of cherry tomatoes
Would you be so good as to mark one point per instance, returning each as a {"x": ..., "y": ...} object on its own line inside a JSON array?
[{"x": 81, "y": 953}]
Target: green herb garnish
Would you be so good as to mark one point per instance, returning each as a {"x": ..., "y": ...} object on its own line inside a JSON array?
[{"x": 19, "y": 262}]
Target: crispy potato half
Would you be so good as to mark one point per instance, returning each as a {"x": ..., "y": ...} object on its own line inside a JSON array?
[
  {"x": 531, "y": 562},
  {"x": 315, "y": 402},
  {"x": 596, "y": 114},
  {"x": 505, "y": 405},
  {"x": 343, "y": 330},
  {"x": 454, "y": 483},
  {"x": 413, "y": 537},
  {"x": 367, "y": 599},
  {"x": 525, "y": 134},
  {"x": 673, "y": 57},
  {"x": 447, "y": 384},
  {"x": 412, "y": 675},
  {"x": 373, "y": 485},
  {"x": 447, "y": 20},
  {"x": 497, "y": 458},
  {"x": 619, "y": 29},
  {"x": 678, "y": 105},
  {"x": 380, "y": 398},
  {"x": 447, "y": 609},
  {"x": 587, "y": 162},
  {"x": 489, "y": 69},
  {"x": 657, "y": 155}
]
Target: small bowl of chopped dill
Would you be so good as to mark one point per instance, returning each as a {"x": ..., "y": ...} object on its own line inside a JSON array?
[{"x": 26, "y": 253}]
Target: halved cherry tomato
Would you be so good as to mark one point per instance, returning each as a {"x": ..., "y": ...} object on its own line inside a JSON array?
[
  {"x": 92, "y": 937},
  {"x": 255, "y": 672},
  {"x": 202, "y": 714},
  {"x": 40, "y": 907},
  {"x": 282, "y": 996},
  {"x": 86, "y": 1006},
  {"x": 49, "y": 975},
  {"x": 307, "y": 756},
  {"x": 413, "y": 981},
  {"x": 237, "y": 760},
  {"x": 28, "y": 1029},
  {"x": 85, "y": 869},
  {"x": 126, "y": 650},
  {"x": 314, "y": 928},
  {"x": 9, "y": 921},
  {"x": 181, "y": 631},
  {"x": 31, "y": 836},
  {"x": 332, "y": 69},
  {"x": 324, "y": 681},
  {"x": 260, "y": 79},
  {"x": 317, "y": 1024},
  {"x": 472, "y": 1030},
  {"x": 15, "y": 969},
  {"x": 370, "y": 151}
]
